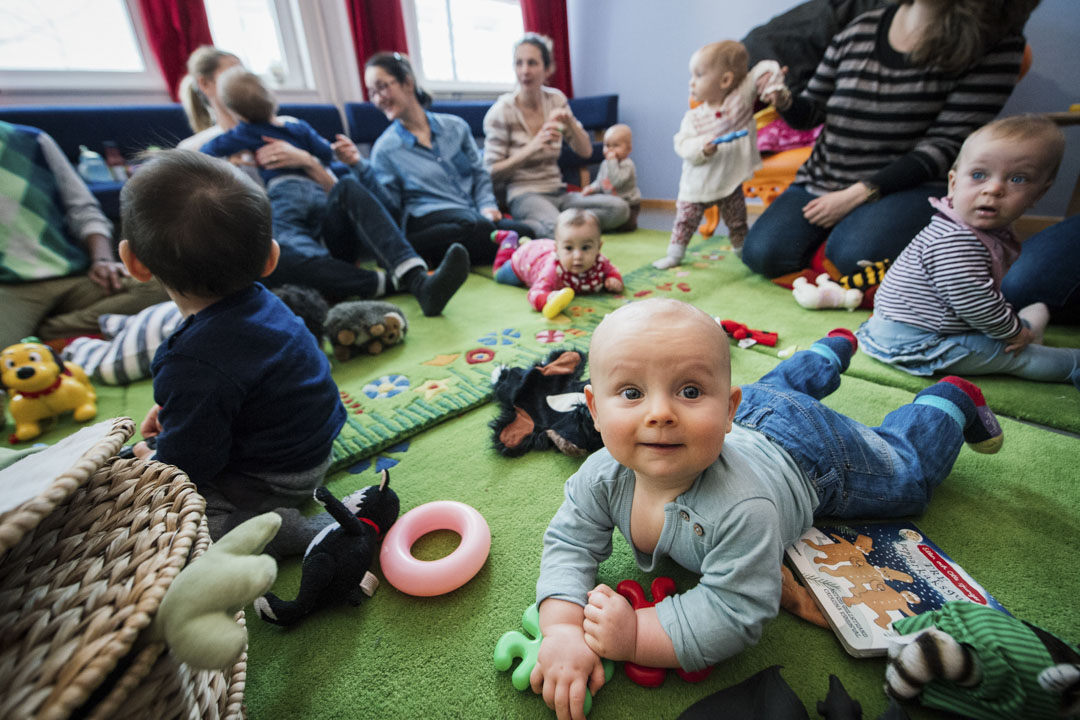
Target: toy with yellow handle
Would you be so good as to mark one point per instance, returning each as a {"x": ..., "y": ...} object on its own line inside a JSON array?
[
  {"x": 557, "y": 302},
  {"x": 41, "y": 386}
]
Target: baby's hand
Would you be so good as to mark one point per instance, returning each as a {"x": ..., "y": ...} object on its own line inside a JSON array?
[
  {"x": 610, "y": 624},
  {"x": 151, "y": 426},
  {"x": 1020, "y": 340},
  {"x": 565, "y": 668},
  {"x": 589, "y": 190},
  {"x": 613, "y": 284},
  {"x": 710, "y": 148}
]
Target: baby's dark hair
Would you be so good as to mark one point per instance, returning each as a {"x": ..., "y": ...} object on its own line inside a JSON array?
[
  {"x": 244, "y": 93},
  {"x": 542, "y": 43},
  {"x": 197, "y": 223},
  {"x": 576, "y": 217},
  {"x": 399, "y": 67}
]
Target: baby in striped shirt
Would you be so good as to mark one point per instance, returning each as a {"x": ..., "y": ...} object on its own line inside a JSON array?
[{"x": 940, "y": 306}]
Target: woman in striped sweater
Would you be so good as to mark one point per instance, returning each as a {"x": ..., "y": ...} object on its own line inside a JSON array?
[
  {"x": 940, "y": 307},
  {"x": 898, "y": 91}
]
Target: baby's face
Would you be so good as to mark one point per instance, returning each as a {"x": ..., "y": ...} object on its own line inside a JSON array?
[
  {"x": 660, "y": 392},
  {"x": 710, "y": 81},
  {"x": 617, "y": 145},
  {"x": 577, "y": 246},
  {"x": 997, "y": 180}
]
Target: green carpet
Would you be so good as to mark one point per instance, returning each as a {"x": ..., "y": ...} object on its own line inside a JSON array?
[
  {"x": 1012, "y": 519},
  {"x": 1002, "y": 517}
]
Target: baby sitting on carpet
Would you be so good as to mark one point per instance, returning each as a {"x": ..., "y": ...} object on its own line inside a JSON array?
[
  {"x": 617, "y": 174},
  {"x": 940, "y": 306},
  {"x": 720, "y": 479},
  {"x": 245, "y": 402},
  {"x": 555, "y": 269}
]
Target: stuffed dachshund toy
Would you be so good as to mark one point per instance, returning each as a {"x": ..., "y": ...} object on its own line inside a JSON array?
[
  {"x": 337, "y": 560},
  {"x": 308, "y": 305},
  {"x": 197, "y": 616},
  {"x": 824, "y": 293},
  {"x": 364, "y": 326},
  {"x": 979, "y": 662},
  {"x": 543, "y": 406},
  {"x": 42, "y": 386}
]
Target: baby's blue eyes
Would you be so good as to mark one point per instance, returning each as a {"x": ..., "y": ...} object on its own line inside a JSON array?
[
  {"x": 1018, "y": 179},
  {"x": 978, "y": 175},
  {"x": 1015, "y": 179},
  {"x": 630, "y": 394},
  {"x": 691, "y": 392}
]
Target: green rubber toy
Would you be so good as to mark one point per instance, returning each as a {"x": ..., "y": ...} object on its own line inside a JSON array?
[{"x": 514, "y": 644}]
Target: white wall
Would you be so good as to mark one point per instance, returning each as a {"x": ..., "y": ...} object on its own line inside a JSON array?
[{"x": 640, "y": 49}]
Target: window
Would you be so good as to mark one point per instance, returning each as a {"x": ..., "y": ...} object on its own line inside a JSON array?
[
  {"x": 267, "y": 36},
  {"x": 463, "y": 45},
  {"x": 44, "y": 44}
]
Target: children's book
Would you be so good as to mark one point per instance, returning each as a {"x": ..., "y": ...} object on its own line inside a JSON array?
[{"x": 865, "y": 576}]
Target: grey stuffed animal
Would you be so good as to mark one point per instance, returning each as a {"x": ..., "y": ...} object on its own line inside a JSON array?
[{"x": 364, "y": 326}]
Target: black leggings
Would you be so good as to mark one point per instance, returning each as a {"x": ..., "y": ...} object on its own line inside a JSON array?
[{"x": 433, "y": 233}]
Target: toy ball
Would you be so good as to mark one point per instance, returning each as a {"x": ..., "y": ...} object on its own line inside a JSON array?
[
  {"x": 42, "y": 386},
  {"x": 427, "y": 578}
]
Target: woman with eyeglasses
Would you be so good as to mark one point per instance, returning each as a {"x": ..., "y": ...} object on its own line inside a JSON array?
[
  {"x": 524, "y": 132},
  {"x": 431, "y": 168},
  {"x": 338, "y": 222}
]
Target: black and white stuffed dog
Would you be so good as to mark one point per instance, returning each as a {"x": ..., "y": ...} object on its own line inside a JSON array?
[
  {"x": 337, "y": 560},
  {"x": 543, "y": 406}
]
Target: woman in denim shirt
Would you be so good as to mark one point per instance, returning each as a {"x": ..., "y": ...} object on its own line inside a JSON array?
[{"x": 430, "y": 166}]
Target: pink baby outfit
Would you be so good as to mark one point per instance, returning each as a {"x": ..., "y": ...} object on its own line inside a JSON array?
[{"x": 536, "y": 264}]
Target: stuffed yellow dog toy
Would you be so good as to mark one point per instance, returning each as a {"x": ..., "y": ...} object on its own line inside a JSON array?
[{"x": 40, "y": 386}]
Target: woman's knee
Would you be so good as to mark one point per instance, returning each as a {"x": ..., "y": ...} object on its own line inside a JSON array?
[{"x": 766, "y": 254}]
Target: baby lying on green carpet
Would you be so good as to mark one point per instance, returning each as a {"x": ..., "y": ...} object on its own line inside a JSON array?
[{"x": 720, "y": 479}]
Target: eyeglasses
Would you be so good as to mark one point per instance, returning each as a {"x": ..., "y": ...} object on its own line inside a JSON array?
[{"x": 381, "y": 88}]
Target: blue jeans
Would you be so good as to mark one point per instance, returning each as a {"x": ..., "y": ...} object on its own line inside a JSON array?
[
  {"x": 857, "y": 471},
  {"x": 1048, "y": 271},
  {"x": 323, "y": 235},
  {"x": 922, "y": 352},
  {"x": 781, "y": 241}
]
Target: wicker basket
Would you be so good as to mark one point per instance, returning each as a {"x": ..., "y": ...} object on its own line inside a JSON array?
[{"x": 81, "y": 585}]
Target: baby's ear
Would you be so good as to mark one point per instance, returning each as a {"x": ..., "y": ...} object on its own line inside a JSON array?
[
  {"x": 734, "y": 400},
  {"x": 590, "y": 401},
  {"x": 134, "y": 266}
]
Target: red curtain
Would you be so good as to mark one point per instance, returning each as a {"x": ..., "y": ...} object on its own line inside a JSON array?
[
  {"x": 549, "y": 17},
  {"x": 174, "y": 29},
  {"x": 377, "y": 26}
]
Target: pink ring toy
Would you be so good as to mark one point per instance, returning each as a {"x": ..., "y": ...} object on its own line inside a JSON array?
[{"x": 426, "y": 578}]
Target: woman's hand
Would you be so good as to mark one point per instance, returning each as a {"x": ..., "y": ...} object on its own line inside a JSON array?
[
  {"x": 278, "y": 155},
  {"x": 830, "y": 208},
  {"x": 108, "y": 274},
  {"x": 345, "y": 149}
]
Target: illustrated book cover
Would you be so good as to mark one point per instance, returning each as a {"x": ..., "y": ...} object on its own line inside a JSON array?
[{"x": 865, "y": 576}]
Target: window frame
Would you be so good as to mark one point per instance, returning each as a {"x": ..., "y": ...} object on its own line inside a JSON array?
[
  {"x": 442, "y": 87},
  {"x": 97, "y": 82}
]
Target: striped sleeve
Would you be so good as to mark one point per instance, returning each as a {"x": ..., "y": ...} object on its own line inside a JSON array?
[{"x": 942, "y": 282}]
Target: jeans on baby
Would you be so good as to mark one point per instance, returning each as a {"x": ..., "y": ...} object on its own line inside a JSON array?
[
  {"x": 858, "y": 471},
  {"x": 923, "y": 352}
]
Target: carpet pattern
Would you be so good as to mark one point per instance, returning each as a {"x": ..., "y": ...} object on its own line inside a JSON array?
[{"x": 421, "y": 410}]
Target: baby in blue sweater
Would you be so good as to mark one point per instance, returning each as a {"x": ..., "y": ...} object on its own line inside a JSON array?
[
  {"x": 720, "y": 479},
  {"x": 245, "y": 404}
]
